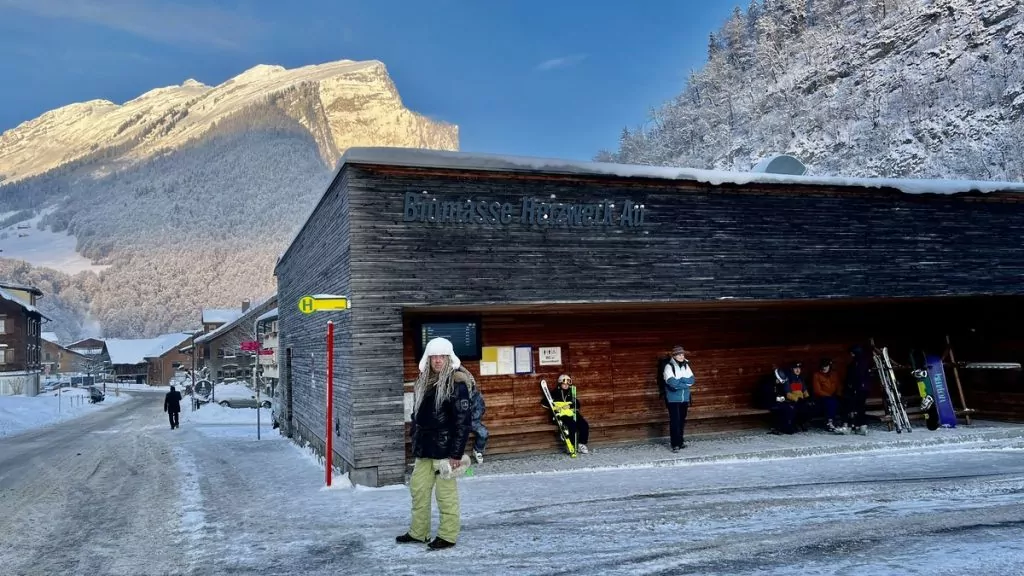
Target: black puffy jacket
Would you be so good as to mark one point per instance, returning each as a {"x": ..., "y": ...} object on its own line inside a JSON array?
[{"x": 443, "y": 433}]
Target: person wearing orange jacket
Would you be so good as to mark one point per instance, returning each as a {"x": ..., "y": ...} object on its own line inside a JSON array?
[{"x": 827, "y": 390}]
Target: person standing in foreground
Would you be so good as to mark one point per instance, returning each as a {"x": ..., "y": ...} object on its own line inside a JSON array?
[
  {"x": 678, "y": 380},
  {"x": 441, "y": 421},
  {"x": 172, "y": 406}
]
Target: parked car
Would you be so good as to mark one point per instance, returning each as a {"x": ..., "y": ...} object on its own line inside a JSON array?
[
  {"x": 236, "y": 396},
  {"x": 95, "y": 395}
]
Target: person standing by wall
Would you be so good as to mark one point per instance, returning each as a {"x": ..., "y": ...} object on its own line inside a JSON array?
[
  {"x": 678, "y": 380},
  {"x": 441, "y": 422},
  {"x": 858, "y": 381}
]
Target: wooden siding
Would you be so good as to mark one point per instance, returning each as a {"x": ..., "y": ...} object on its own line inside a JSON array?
[
  {"x": 612, "y": 357},
  {"x": 161, "y": 369},
  {"x": 698, "y": 243},
  {"x": 319, "y": 263},
  {"x": 19, "y": 352}
]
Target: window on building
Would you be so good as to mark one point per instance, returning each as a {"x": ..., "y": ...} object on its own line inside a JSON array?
[
  {"x": 3, "y": 325},
  {"x": 3, "y": 356}
]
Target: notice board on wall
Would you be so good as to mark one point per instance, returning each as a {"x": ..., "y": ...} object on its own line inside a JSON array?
[
  {"x": 524, "y": 359},
  {"x": 499, "y": 360}
]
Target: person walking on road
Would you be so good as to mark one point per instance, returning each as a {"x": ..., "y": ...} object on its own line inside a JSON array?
[{"x": 172, "y": 406}]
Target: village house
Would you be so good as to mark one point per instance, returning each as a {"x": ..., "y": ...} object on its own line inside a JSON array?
[
  {"x": 220, "y": 349},
  {"x": 130, "y": 359},
  {"x": 20, "y": 340},
  {"x": 57, "y": 359},
  {"x": 165, "y": 365},
  {"x": 266, "y": 330},
  {"x": 95, "y": 348}
]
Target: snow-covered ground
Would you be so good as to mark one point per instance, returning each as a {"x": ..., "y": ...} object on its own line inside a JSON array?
[
  {"x": 21, "y": 413},
  {"x": 220, "y": 501},
  {"x": 45, "y": 248},
  {"x": 208, "y": 414},
  {"x": 940, "y": 509}
]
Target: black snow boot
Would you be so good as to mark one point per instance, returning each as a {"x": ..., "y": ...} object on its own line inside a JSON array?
[
  {"x": 407, "y": 539},
  {"x": 440, "y": 543}
]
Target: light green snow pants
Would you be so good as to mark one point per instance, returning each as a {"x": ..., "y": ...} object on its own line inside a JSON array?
[{"x": 422, "y": 483}]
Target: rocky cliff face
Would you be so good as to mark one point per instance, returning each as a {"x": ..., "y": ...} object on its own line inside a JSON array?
[
  {"x": 186, "y": 195},
  {"x": 341, "y": 104}
]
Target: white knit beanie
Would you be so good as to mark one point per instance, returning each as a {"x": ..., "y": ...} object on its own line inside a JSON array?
[{"x": 439, "y": 347}]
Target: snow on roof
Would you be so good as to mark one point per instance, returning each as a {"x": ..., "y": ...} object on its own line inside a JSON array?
[
  {"x": 135, "y": 351},
  {"x": 221, "y": 315},
  {"x": 268, "y": 316},
  {"x": 221, "y": 330},
  {"x": 25, "y": 287},
  {"x": 4, "y": 294},
  {"x": 422, "y": 158},
  {"x": 50, "y": 337}
]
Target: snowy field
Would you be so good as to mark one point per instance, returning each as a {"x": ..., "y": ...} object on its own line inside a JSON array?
[
  {"x": 209, "y": 498},
  {"x": 21, "y": 413},
  {"x": 45, "y": 248}
]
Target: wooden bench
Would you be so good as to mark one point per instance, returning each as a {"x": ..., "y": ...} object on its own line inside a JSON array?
[{"x": 539, "y": 434}]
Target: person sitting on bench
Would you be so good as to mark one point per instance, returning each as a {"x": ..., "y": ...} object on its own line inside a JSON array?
[{"x": 567, "y": 407}]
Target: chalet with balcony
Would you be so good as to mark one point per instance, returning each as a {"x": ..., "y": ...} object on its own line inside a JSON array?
[{"x": 20, "y": 340}]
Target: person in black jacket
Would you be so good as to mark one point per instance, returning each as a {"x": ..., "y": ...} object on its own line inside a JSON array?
[
  {"x": 172, "y": 405},
  {"x": 855, "y": 394},
  {"x": 441, "y": 422}
]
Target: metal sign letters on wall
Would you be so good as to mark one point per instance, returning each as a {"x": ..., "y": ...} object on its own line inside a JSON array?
[{"x": 420, "y": 207}]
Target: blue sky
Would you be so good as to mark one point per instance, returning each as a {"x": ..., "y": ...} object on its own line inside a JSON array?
[{"x": 539, "y": 78}]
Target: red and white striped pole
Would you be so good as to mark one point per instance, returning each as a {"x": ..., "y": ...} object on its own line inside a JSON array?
[{"x": 330, "y": 398}]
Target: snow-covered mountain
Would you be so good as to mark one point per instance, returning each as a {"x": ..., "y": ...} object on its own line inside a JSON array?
[
  {"x": 341, "y": 104},
  {"x": 895, "y": 88},
  {"x": 183, "y": 197}
]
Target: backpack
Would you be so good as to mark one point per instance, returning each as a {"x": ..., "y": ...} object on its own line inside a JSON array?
[
  {"x": 662, "y": 362},
  {"x": 478, "y": 408}
]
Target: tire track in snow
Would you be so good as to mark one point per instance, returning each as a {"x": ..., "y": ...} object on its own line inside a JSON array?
[{"x": 193, "y": 525}]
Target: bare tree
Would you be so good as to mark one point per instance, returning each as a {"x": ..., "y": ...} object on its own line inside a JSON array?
[{"x": 94, "y": 366}]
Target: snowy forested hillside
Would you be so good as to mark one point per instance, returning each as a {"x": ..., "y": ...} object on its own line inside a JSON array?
[
  {"x": 187, "y": 194},
  {"x": 904, "y": 88}
]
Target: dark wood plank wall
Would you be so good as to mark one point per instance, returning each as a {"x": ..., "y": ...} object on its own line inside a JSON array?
[
  {"x": 316, "y": 263},
  {"x": 612, "y": 358},
  {"x": 994, "y": 393},
  {"x": 698, "y": 243}
]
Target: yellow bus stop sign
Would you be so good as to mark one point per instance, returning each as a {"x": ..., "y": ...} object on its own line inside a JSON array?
[{"x": 310, "y": 304}]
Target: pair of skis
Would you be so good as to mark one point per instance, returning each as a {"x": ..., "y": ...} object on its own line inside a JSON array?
[
  {"x": 563, "y": 433},
  {"x": 893, "y": 400}
]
